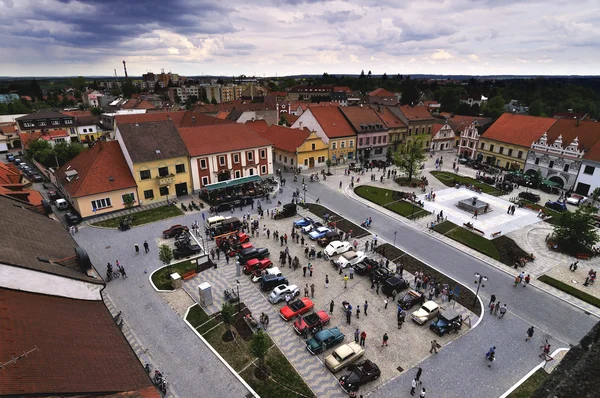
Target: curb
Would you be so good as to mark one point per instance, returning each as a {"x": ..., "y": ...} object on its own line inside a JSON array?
[{"x": 485, "y": 260}]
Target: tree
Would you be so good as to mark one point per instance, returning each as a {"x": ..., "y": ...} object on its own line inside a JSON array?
[
  {"x": 227, "y": 313},
  {"x": 369, "y": 74},
  {"x": 384, "y": 77},
  {"x": 128, "y": 200},
  {"x": 165, "y": 255},
  {"x": 36, "y": 90},
  {"x": 283, "y": 120},
  {"x": 128, "y": 89},
  {"x": 96, "y": 111},
  {"x": 595, "y": 195},
  {"x": 494, "y": 107},
  {"x": 260, "y": 347},
  {"x": 328, "y": 164},
  {"x": 409, "y": 159},
  {"x": 576, "y": 231},
  {"x": 536, "y": 108},
  {"x": 41, "y": 150},
  {"x": 214, "y": 101},
  {"x": 362, "y": 74},
  {"x": 410, "y": 94}
]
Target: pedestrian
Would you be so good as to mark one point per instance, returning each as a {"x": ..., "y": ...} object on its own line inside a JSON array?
[
  {"x": 366, "y": 246},
  {"x": 492, "y": 300},
  {"x": 268, "y": 234},
  {"x": 340, "y": 185},
  {"x": 433, "y": 346},
  {"x": 326, "y": 281},
  {"x": 363, "y": 337},
  {"x": 527, "y": 279},
  {"x": 418, "y": 376},
  {"x": 346, "y": 281},
  {"x": 422, "y": 395},
  {"x": 384, "y": 342},
  {"x": 266, "y": 321},
  {"x": 348, "y": 317},
  {"x": 288, "y": 297},
  {"x": 356, "y": 335},
  {"x": 146, "y": 247},
  {"x": 212, "y": 254},
  {"x": 351, "y": 271},
  {"x": 218, "y": 253},
  {"x": 386, "y": 303},
  {"x": 491, "y": 308},
  {"x": 227, "y": 258},
  {"x": 366, "y": 307},
  {"x": 310, "y": 269},
  {"x": 496, "y": 308},
  {"x": 377, "y": 288},
  {"x": 304, "y": 271},
  {"x": 358, "y": 312},
  {"x": 312, "y": 290},
  {"x": 475, "y": 215},
  {"x": 306, "y": 290},
  {"x": 529, "y": 334},
  {"x": 137, "y": 248},
  {"x": 122, "y": 271},
  {"x": 502, "y": 311},
  {"x": 413, "y": 387},
  {"x": 517, "y": 280},
  {"x": 331, "y": 305}
]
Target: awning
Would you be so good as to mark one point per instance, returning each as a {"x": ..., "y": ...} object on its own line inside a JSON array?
[
  {"x": 550, "y": 183},
  {"x": 231, "y": 183}
]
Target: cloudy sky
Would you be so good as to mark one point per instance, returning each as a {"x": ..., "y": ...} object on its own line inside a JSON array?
[{"x": 283, "y": 37}]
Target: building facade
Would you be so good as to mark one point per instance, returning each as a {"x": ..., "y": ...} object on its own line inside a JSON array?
[
  {"x": 44, "y": 121},
  {"x": 554, "y": 161},
  {"x": 297, "y": 147},
  {"x": 371, "y": 132},
  {"x": 468, "y": 142},
  {"x": 442, "y": 137},
  {"x": 419, "y": 124}
]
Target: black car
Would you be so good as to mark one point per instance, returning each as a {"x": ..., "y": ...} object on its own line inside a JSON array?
[
  {"x": 360, "y": 373},
  {"x": 72, "y": 218},
  {"x": 328, "y": 238},
  {"x": 381, "y": 274},
  {"x": 366, "y": 266},
  {"x": 289, "y": 209},
  {"x": 447, "y": 322},
  {"x": 270, "y": 282},
  {"x": 253, "y": 252},
  {"x": 410, "y": 299},
  {"x": 394, "y": 285},
  {"x": 186, "y": 251},
  {"x": 530, "y": 196},
  {"x": 37, "y": 178}
]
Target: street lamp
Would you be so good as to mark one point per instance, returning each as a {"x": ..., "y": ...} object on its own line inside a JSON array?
[
  {"x": 239, "y": 299},
  {"x": 304, "y": 189},
  {"x": 479, "y": 282},
  {"x": 395, "y": 233}
]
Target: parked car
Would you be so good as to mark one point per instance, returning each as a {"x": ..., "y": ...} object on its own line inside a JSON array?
[
  {"x": 270, "y": 282},
  {"x": 530, "y": 196},
  {"x": 10, "y": 157},
  {"x": 360, "y": 373},
  {"x": 576, "y": 199},
  {"x": 428, "y": 311},
  {"x": 235, "y": 249},
  {"x": 344, "y": 356},
  {"x": 278, "y": 294},
  {"x": 411, "y": 298},
  {"x": 72, "y": 218},
  {"x": 37, "y": 178},
  {"x": 328, "y": 238},
  {"x": 381, "y": 274},
  {"x": 61, "y": 204},
  {"x": 53, "y": 195},
  {"x": 366, "y": 266},
  {"x": 297, "y": 307},
  {"x": 186, "y": 251},
  {"x": 394, "y": 285},
  {"x": 313, "y": 322},
  {"x": 336, "y": 247},
  {"x": 289, "y": 209},
  {"x": 257, "y": 275},
  {"x": 324, "y": 339},
  {"x": 255, "y": 264},
  {"x": 348, "y": 259},
  {"x": 318, "y": 233},
  {"x": 310, "y": 227},
  {"x": 253, "y": 252},
  {"x": 174, "y": 231},
  {"x": 557, "y": 206},
  {"x": 447, "y": 322},
  {"x": 303, "y": 222}
]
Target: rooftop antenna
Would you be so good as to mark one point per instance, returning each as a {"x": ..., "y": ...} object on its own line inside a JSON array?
[{"x": 14, "y": 360}]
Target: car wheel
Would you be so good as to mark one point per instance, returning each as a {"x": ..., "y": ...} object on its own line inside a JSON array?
[
  {"x": 297, "y": 293},
  {"x": 376, "y": 377},
  {"x": 325, "y": 256}
]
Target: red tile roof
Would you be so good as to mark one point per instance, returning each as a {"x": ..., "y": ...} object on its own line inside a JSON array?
[
  {"x": 222, "y": 115},
  {"x": 380, "y": 92},
  {"x": 291, "y": 119},
  {"x": 360, "y": 116},
  {"x": 586, "y": 132},
  {"x": 260, "y": 126},
  {"x": 176, "y": 117},
  {"x": 102, "y": 168},
  {"x": 77, "y": 113},
  {"x": 10, "y": 174},
  {"x": 137, "y": 104},
  {"x": 200, "y": 119},
  {"x": 9, "y": 129},
  {"x": 26, "y": 138},
  {"x": 206, "y": 140},
  {"x": 521, "y": 130},
  {"x": 415, "y": 113},
  {"x": 436, "y": 129},
  {"x": 389, "y": 119},
  {"x": 459, "y": 122},
  {"x": 285, "y": 138},
  {"x": 332, "y": 121},
  {"x": 80, "y": 352},
  {"x": 342, "y": 89}
]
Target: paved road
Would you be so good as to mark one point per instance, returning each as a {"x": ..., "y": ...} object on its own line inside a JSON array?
[{"x": 563, "y": 323}]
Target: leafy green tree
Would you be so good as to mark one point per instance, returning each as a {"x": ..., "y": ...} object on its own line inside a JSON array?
[
  {"x": 128, "y": 200},
  {"x": 260, "y": 347},
  {"x": 165, "y": 255},
  {"x": 328, "y": 163},
  {"x": 128, "y": 89},
  {"x": 190, "y": 101},
  {"x": 283, "y": 120},
  {"x": 96, "y": 111},
  {"x": 362, "y": 74},
  {"x": 40, "y": 150},
  {"x": 410, "y": 158},
  {"x": 410, "y": 94},
  {"x": 384, "y": 76},
  {"x": 536, "y": 108},
  {"x": 35, "y": 90},
  {"x": 595, "y": 195},
  {"x": 214, "y": 101},
  {"x": 227, "y": 313},
  {"x": 65, "y": 152},
  {"x": 494, "y": 107},
  {"x": 369, "y": 74},
  {"x": 576, "y": 231}
]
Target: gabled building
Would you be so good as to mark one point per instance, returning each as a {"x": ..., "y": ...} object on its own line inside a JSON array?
[
  {"x": 506, "y": 142},
  {"x": 330, "y": 124},
  {"x": 157, "y": 158},
  {"x": 98, "y": 180},
  {"x": 229, "y": 152},
  {"x": 442, "y": 137},
  {"x": 53, "y": 137},
  {"x": 467, "y": 130},
  {"x": 381, "y": 96},
  {"x": 397, "y": 129},
  {"x": 419, "y": 122},
  {"x": 297, "y": 147},
  {"x": 46, "y": 120},
  {"x": 371, "y": 131},
  {"x": 89, "y": 129}
]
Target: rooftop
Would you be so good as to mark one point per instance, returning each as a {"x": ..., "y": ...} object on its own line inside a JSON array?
[
  {"x": 259, "y": 126},
  {"x": 380, "y": 92},
  {"x": 205, "y": 140},
  {"x": 146, "y": 142},
  {"x": 43, "y": 114},
  {"x": 285, "y": 138},
  {"x": 521, "y": 130},
  {"x": 415, "y": 113},
  {"x": 387, "y": 116},
  {"x": 332, "y": 121},
  {"x": 363, "y": 118}
]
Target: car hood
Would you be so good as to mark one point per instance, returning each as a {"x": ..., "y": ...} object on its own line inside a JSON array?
[
  {"x": 287, "y": 312},
  {"x": 313, "y": 343},
  {"x": 351, "y": 378},
  {"x": 420, "y": 313}
]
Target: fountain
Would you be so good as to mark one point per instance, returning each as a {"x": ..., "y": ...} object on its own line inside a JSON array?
[{"x": 473, "y": 204}]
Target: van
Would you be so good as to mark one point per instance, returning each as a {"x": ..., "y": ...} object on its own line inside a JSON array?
[
  {"x": 212, "y": 222},
  {"x": 62, "y": 204},
  {"x": 229, "y": 224}
]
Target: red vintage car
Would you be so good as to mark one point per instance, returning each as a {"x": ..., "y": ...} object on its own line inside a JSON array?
[
  {"x": 255, "y": 266},
  {"x": 296, "y": 307},
  {"x": 311, "y": 322},
  {"x": 235, "y": 249}
]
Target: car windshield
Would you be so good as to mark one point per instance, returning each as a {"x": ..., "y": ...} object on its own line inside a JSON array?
[
  {"x": 425, "y": 309},
  {"x": 338, "y": 357},
  {"x": 296, "y": 305}
]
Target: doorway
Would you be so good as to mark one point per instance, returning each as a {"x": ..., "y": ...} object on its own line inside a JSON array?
[{"x": 181, "y": 189}]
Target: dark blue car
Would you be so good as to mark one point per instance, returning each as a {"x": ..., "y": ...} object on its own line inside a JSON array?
[{"x": 303, "y": 222}]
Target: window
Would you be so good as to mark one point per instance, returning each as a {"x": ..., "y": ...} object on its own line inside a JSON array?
[
  {"x": 180, "y": 168},
  {"x": 501, "y": 150},
  {"x": 379, "y": 139},
  {"x": 551, "y": 164},
  {"x": 164, "y": 191},
  {"x": 236, "y": 158},
  {"x": 410, "y": 131},
  {"x": 385, "y": 139},
  {"x": 28, "y": 124},
  {"x": 321, "y": 159},
  {"x": 128, "y": 198},
  {"x": 566, "y": 168},
  {"x": 205, "y": 180},
  {"x": 588, "y": 170},
  {"x": 145, "y": 174},
  {"x": 221, "y": 160},
  {"x": 54, "y": 122},
  {"x": 429, "y": 130},
  {"x": 149, "y": 194},
  {"x": 58, "y": 140},
  {"x": 351, "y": 144},
  {"x": 520, "y": 154},
  {"x": 510, "y": 151},
  {"x": 491, "y": 148},
  {"x": 68, "y": 121},
  {"x": 251, "y": 172},
  {"x": 313, "y": 146},
  {"x": 360, "y": 142},
  {"x": 263, "y": 154},
  {"x": 237, "y": 174},
  {"x": 416, "y": 131},
  {"x": 285, "y": 159},
  {"x": 101, "y": 204},
  {"x": 163, "y": 171},
  {"x": 368, "y": 141},
  {"x": 203, "y": 164},
  {"x": 537, "y": 160},
  {"x": 263, "y": 169},
  {"x": 342, "y": 144},
  {"x": 250, "y": 156},
  {"x": 292, "y": 161},
  {"x": 41, "y": 123},
  {"x": 85, "y": 130},
  {"x": 306, "y": 162},
  {"x": 482, "y": 145},
  {"x": 333, "y": 145}
]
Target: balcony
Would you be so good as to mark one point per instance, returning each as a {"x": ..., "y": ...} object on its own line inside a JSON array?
[{"x": 165, "y": 180}]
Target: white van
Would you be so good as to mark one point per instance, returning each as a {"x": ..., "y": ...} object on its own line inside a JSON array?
[
  {"x": 61, "y": 204},
  {"x": 211, "y": 222}
]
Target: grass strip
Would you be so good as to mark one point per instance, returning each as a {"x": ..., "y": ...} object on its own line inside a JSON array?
[
  {"x": 573, "y": 291},
  {"x": 143, "y": 217},
  {"x": 529, "y": 386},
  {"x": 451, "y": 179},
  {"x": 391, "y": 200},
  {"x": 468, "y": 238},
  {"x": 162, "y": 277}
]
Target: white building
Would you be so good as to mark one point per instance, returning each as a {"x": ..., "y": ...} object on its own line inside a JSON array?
[{"x": 442, "y": 137}]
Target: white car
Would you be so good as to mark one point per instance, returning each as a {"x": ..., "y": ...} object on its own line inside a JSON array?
[
  {"x": 348, "y": 259},
  {"x": 428, "y": 311},
  {"x": 278, "y": 294},
  {"x": 269, "y": 271},
  {"x": 336, "y": 247},
  {"x": 308, "y": 228},
  {"x": 576, "y": 200},
  {"x": 344, "y": 356}
]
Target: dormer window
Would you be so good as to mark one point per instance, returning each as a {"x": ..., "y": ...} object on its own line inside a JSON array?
[
  {"x": 68, "y": 121},
  {"x": 42, "y": 123},
  {"x": 54, "y": 122}
]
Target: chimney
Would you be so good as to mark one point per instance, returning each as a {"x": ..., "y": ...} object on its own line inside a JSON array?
[{"x": 125, "y": 69}]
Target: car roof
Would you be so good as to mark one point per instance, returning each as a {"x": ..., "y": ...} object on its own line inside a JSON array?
[
  {"x": 450, "y": 314},
  {"x": 347, "y": 349},
  {"x": 349, "y": 254},
  {"x": 431, "y": 305}
]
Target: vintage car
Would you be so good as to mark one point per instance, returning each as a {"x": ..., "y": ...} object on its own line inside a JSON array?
[
  {"x": 348, "y": 259},
  {"x": 447, "y": 322},
  {"x": 411, "y": 298},
  {"x": 186, "y": 251},
  {"x": 557, "y": 206},
  {"x": 278, "y": 294},
  {"x": 530, "y": 196},
  {"x": 360, "y": 373},
  {"x": 297, "y": 307},
  {"x": 343, "y": 356},
  {"x": 312, "y": 322},
  {"x": 174, "y": 231},
  {"x": 366, "y": 266},
  {"x": 310, "y": 227},
  {"x": 318, "y": 233},
  {"x": 328, "y": 238},
  {"x": 380, "y": 274},
  {"x": 255, "y": 264},
  {"x": 254, "y": 252},
  {"x": 428, "y": 311},
  {"x": 303, "y": 222},
  {"x": 336, "y": 247},
  {"x": 576, "y": 199},
  {"x": 394, "y": 285},
  {"x": 72, "y": 218},
  {"x": 288, "y": 210},
  {"x": 258, "y": 274},
  {"x": 324, "y": 339}
]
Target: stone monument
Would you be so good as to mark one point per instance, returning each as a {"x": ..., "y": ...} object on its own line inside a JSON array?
[{"x": 474, "y": 203}]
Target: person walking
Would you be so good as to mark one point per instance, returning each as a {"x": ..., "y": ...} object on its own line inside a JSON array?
[
  {"x": 348, "y": 317},
  {"x": 418, "y": 376},
  {"x": 527, "y": 279},
  {"x": 346, "y": 281},
  {"x": 366, "y": 307},
  {"x": 386, "y": 303},
  {"x": 517, "y": 280},
  {"x": 377, "y": 288},
  {"x": 351, "y": 271},
  {"x": 266, "y": 323},
  {"x": 529, "y": 333},
  {"x": 310, "y": 269},
  {"x": 385, "y": 339},
  {"x": 413, "y": 386},
  {"x": 492, "y": 300},
  {"x": 331, "y": 305},
  {"x": 212, "y": 254},
  {"x": 137, "y": 248},
  {"x": 306, "y": 290},
  {"x": 496, "y": 308},
  {"x": 304, "y": 270},
  {"x": 326, "y": 281},
  {"x": 363, "y": 337},
  {"x": 422, "y": 395},
  {"x": 312, "y": 290},
  {"x": 356, "y": 335},
  {"x": 475, "y": 214},
  {"x": 492, "y": 309},
  {"x": 358, "y": 312},
  {"x": 502, "y": 311},
  {"x": 433, "y": 346},
  {"x": 122, "y": 271},
  {"x": 146, "y": 247}
]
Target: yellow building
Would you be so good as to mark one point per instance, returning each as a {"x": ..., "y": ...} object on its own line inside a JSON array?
[
  {"x": 506, "y": 142},
  {"x": 297, "y": 148},
  {"x": 419, "y": 122},
  {"x": 157, "y": 159},
  {"x": 98, "y": 180}
]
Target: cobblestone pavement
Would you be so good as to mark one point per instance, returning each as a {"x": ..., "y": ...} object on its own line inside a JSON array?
[{"x": 407, "y": 342}]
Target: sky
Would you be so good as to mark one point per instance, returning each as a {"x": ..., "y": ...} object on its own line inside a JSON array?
[{"x": 287, "y": 37}]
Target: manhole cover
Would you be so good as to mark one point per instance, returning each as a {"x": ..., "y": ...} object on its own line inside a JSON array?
[
  {"x": 107, "y": 247},
  {"x": 400, "y": 369}
]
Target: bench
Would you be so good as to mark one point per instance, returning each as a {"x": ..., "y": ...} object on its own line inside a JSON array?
[
  {"x": 496, "y": 234},
  {"x": 188, "y": 275},
  {"x": 583, "y": 256}
]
